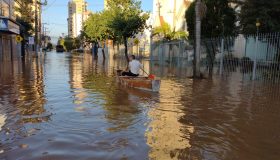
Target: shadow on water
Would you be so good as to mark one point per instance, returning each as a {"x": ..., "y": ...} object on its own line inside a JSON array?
[{"x": 70, "y": 107}]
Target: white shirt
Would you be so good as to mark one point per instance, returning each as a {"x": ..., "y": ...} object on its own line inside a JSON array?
[{"x": 135, "y": 66}]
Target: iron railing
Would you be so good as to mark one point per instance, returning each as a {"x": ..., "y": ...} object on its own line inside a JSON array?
[{"x": 256, "y": 57}]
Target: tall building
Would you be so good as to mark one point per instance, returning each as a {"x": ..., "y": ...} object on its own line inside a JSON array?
[
  {"x": 77, "y": 14},
  {"x": 171, "y": 12},
  {"x": 9, "y": 28}
]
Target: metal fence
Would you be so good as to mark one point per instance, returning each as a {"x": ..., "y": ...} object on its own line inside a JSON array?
[
  {"x": 172, "y": 58},
  {"x": 140, "y": 51},
  {"x": 256, "y": 57}
]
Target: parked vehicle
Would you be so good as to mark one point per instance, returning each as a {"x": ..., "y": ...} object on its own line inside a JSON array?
[{"x": 59, "y": 48}]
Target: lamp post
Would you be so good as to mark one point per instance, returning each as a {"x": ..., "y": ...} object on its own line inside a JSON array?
[{"x": 258, "y": 24}]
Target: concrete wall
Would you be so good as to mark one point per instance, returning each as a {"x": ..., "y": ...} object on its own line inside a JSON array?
[{"x": 10, "y": 50}]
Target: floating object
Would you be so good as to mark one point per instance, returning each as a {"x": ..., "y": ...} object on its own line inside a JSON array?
[
  {"x": 24, "y": 146},
  {"x": 143, "y": 83}
]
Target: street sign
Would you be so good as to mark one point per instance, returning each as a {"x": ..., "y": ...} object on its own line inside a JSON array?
[
  {"x": 19, "y": 38},
  {"x": 30, "y": 40},
  {"x": 3, "y": 24}
]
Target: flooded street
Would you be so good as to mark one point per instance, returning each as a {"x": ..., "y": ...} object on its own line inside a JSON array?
[{"x": 67, "y": 107}]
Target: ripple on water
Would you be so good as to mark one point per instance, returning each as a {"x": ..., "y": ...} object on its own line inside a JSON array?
[{"x": 71, "y": 108}]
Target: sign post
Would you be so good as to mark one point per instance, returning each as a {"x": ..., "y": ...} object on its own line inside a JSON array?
[
  {"x": 31, "y": 40},
  {"x": 19, "y": 38}
]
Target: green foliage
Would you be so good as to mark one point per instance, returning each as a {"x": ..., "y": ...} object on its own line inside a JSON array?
[
  {"x": 26, "y": 27},
  {"x": 266, "y": 11},
  {"x": 121, "y": 20},
  {"x": 166, "y": 33},
  {"x": 127, "y": 18},
  {"x": 71, "y": 43},
  {"x": 220, "y": 19},
  {"x": 95, "y": 28},
  {"x": 49, "y": 46},
  {"x": 26, "y": 19}
]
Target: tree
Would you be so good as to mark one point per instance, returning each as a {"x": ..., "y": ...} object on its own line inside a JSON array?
[
  {"x": 220, "y": 18},
  {"x": 96, "y": 28},
  {"x": 71, "y": 43},
  {"x": 25, "y": 19},
  {"x": 49, "y": 46},
  {"x": 167, "y": 34},
  {"x": 267, "y": 12},
  {"x": 127, "y": 19}
]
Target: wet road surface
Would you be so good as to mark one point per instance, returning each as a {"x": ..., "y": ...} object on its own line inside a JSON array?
[{"x": 70, "y": 107}]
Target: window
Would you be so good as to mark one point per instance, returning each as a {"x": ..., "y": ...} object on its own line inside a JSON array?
[{"x": 4, "y": 9}]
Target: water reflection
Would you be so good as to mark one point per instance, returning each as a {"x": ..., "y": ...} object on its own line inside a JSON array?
[
  {"x": 70, "y": 107},
  {"x": 2, "y": 121},
  {"x": 167, "y": 137}
]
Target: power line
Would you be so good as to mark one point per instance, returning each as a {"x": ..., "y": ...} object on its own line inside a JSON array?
[
  {"x": 49, "y": 6},
  {"x": 59, "y": 24}
]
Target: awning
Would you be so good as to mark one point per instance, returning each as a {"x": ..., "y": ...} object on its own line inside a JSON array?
[{"x": 9, "y": 26}]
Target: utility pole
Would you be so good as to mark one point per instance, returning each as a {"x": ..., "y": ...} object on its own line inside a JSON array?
[
  {"x": 159, "y": 8},
  {"x": 197, "y": 39},
  {"x": 36, "y": 41},
  {"x": 174, "y": 14},
  {"x": 44, "y": 28}
]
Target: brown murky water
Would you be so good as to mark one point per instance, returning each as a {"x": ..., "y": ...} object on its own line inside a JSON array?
[{"x": 71, "y": 108}]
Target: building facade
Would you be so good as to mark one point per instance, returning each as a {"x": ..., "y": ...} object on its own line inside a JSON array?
[
  {"x": 9, "y": 29},
  {"x": 171, "y": 12},
  {"x": 77, "y": 14}
]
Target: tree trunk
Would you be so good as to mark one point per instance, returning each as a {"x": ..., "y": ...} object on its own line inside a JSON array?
[
  {"x": 197, "y": 40},
  {"x": 209, "y": 50},
  {"x": 103, "y": 53},
  {"x": 212, "y": 58},
  {"x": 125, "y": 48},
  {"x": 95, "y": 50}
]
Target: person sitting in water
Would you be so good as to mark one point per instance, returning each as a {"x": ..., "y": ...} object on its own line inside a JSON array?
[{"x": 134, "y": 67}]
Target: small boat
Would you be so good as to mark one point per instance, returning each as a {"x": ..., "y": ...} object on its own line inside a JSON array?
[{"x": 143, "y": 83}]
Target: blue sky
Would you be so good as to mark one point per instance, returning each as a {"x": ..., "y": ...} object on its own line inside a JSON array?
[{"x": 55, "y": 14}]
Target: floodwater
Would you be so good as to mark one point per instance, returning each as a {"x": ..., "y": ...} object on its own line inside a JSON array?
[{"x": 64, "y": 107}]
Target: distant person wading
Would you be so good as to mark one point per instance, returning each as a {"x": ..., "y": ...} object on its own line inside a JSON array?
[{"x": 134, "y": 67}]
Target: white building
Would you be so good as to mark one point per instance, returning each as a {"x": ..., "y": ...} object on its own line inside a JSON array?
[
  {"x": 171, "y": 12},
  {"x": 77, "y": 14}
]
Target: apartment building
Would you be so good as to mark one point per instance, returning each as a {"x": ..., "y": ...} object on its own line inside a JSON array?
[
  {"x": 171, "y": 12},
  {"x": 77, "y": 14},
  {"x": 9, "y": 28}
]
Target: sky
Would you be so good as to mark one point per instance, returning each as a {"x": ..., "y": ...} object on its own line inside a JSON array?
[{"x": 56, "y": 12}]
